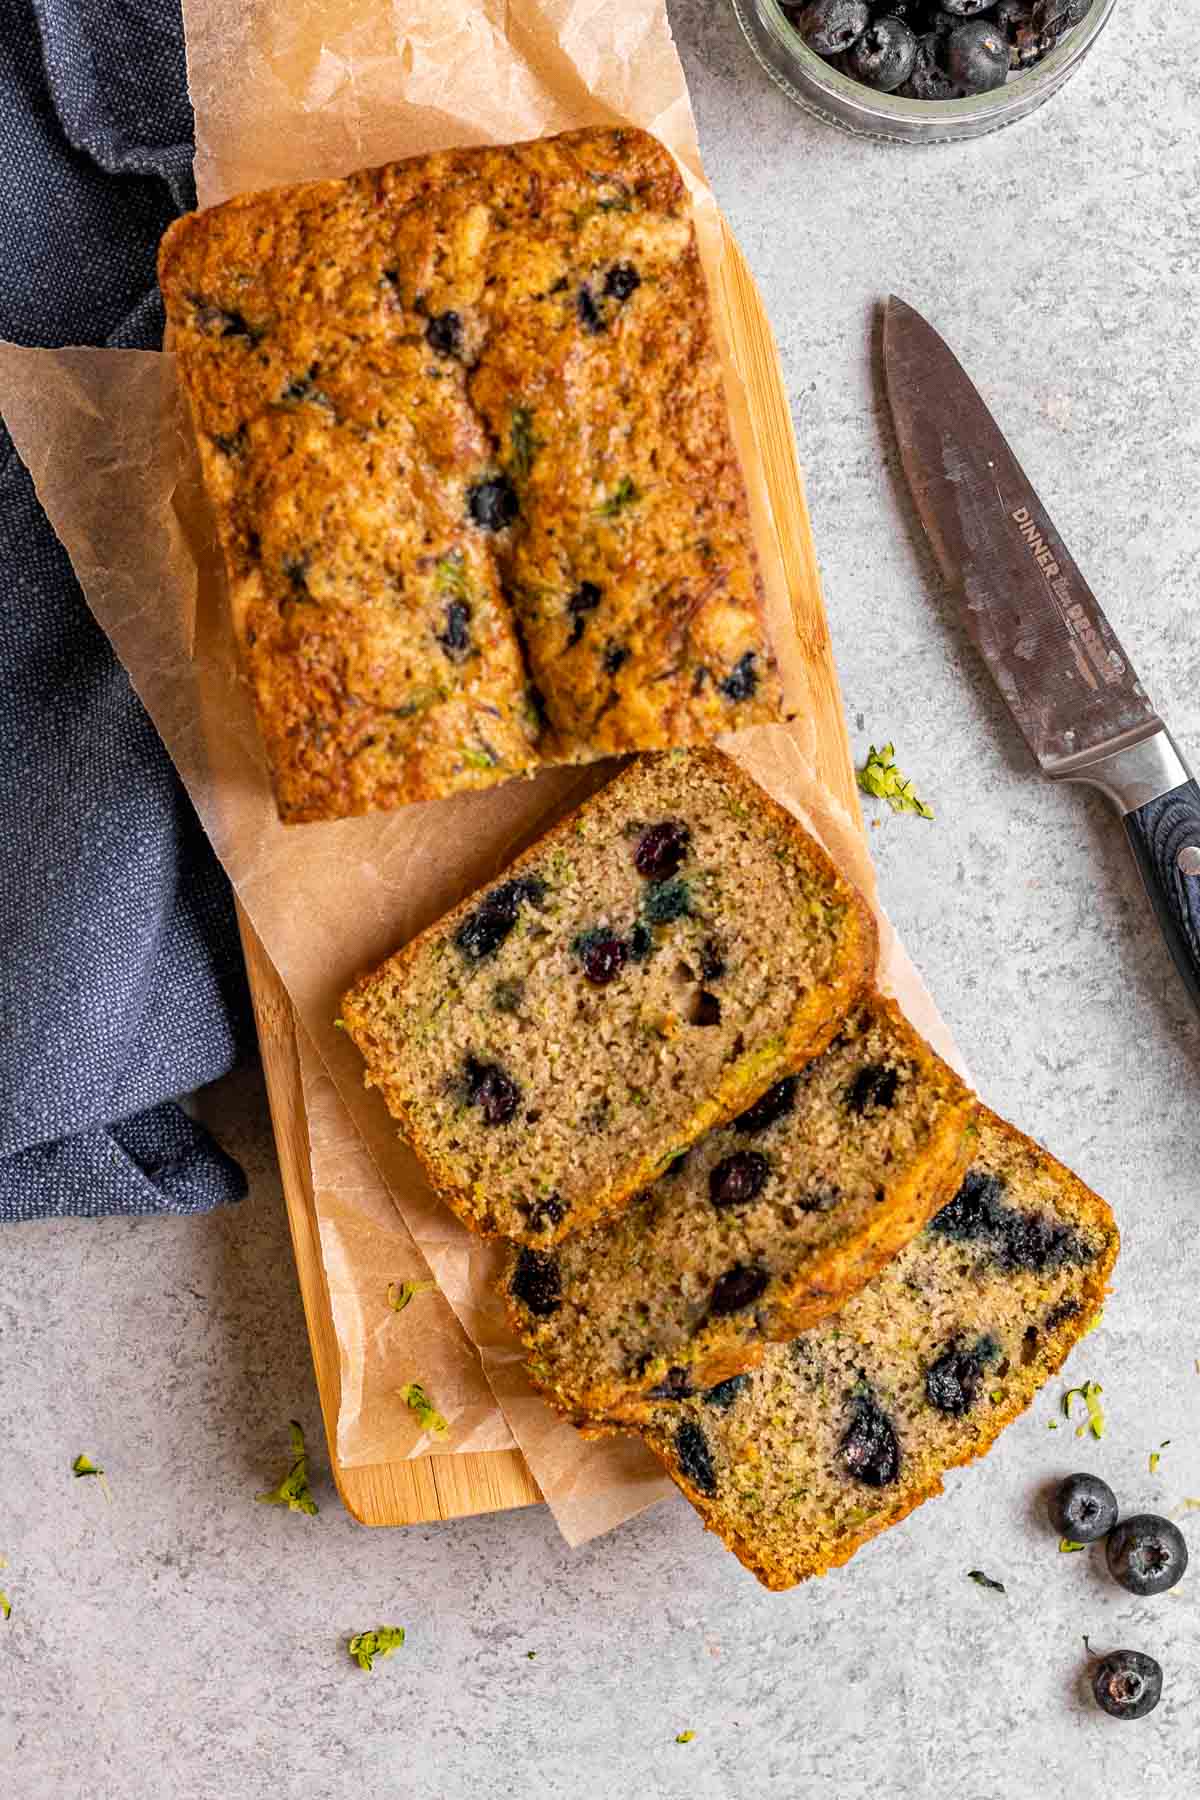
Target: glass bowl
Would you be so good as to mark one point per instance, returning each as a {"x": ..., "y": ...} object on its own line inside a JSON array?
[{"x": 821, "y": 89}]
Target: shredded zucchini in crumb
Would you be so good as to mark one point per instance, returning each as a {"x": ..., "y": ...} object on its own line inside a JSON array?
[
  {"x": 524, "y": 445},
  {"x": 623, "y": 495},
  {"x": 452, "y": 576}
]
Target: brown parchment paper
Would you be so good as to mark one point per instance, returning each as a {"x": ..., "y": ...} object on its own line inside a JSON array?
[
  {"x": 368, "y": 1251},
  {"x": 285, "y": 89}
]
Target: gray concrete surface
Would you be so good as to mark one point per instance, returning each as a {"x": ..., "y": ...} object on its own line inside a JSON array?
[{"x": 184, "y": 1641}]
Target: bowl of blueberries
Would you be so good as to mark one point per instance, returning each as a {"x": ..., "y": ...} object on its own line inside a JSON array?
[{"x": 921, "y": 71}]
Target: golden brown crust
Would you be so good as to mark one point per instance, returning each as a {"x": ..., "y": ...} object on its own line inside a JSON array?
[
  {"x": 813, "y": 1023},
  {"x": 361, "y": 358}
]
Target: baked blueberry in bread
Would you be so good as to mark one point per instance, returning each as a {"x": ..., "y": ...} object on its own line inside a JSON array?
[
  {"x": 641, "y": 974},
  {"x": 762, "y": 1228},
  {"x": 841, "y": 1433}
]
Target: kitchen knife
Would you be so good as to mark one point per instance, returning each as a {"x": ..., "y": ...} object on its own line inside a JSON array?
[{"x": 1054, "y": 656}]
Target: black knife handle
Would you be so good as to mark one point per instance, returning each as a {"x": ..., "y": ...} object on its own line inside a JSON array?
[{"x": 1164, "y": 836}]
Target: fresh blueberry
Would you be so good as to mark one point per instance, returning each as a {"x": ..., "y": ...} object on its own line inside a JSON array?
[
  {"x": 929, "y": 79},
  {"x": 742, "y": 680},
  {"x": 738, "y": 1179},
  {"x": 603, "y": 956},
  {"x": 873, "y": 1089},
  {"x": 1012, "y": 16},
  {"x": 1084, "y": 1509},
  {"x": 621, "y": 281},
  {"x": 831, "y": 26},
  {"x": 493, "y": 1091},
  {"x": 661, "y": 850},
  {"x": 1127, "y": 1685},
  {"x": 493, "y": 503},
  {"x": 739, "y": 1287},
  {"x": 695, "y": 1458},
  {"x": 977, "y": 56},
  {"x": 911, "y": 12},
  {"x": 965, "y": 9},
  {"x": 870, "y": 1449},
  {"x": 483, "y": 931},
  {"x": 883, "y": 57},
  {"x": 1059, "y": 16},
  {"x": 1146, "y": 1554},
  {"x": 1038, "y": 27},
  {"x": 443, "y": 334},
  {"x": 536, "y": 1283},
  {"x": 776, "y": 1103}
]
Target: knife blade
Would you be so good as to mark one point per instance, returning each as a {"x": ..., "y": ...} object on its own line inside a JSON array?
[{"x": 1068, "y": 683}]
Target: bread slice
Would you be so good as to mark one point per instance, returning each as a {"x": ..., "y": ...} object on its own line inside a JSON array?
[
  {"x": 463, "y": 428},
  {"x": 843, "y": 1432},
  {"x": 642, "y": 973},
  {"x": 765, "y": 1226}
]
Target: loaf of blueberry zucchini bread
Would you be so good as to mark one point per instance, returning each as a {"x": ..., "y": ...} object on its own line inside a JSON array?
[
  {"x": 642, "y": 973},
  {"x": 463, "y": 428},
  {"x": 763, "y": 1227},
  {"x": 836, "y": 1436}
]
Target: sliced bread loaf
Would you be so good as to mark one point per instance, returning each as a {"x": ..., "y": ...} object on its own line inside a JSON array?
[
  {"x": 840, "y": 1434},
  {"x": 762, "y": 1228},
  {"x": 641, "y": 974}
]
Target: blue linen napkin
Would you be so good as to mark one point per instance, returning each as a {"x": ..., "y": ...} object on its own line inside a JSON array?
[{"x": 121, "y": 979}]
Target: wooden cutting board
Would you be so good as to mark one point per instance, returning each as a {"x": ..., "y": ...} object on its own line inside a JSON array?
[{"x": 447, "y": 1487}]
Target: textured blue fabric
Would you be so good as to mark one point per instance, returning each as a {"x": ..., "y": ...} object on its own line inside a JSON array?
[{"x": 121, "y": 980}]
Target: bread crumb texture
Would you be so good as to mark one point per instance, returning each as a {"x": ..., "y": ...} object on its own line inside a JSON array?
[
  {"x": 839, "y": 1434},
  {"x": 644, "y": 972},
  {"x": 766, "y": 1225}
]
